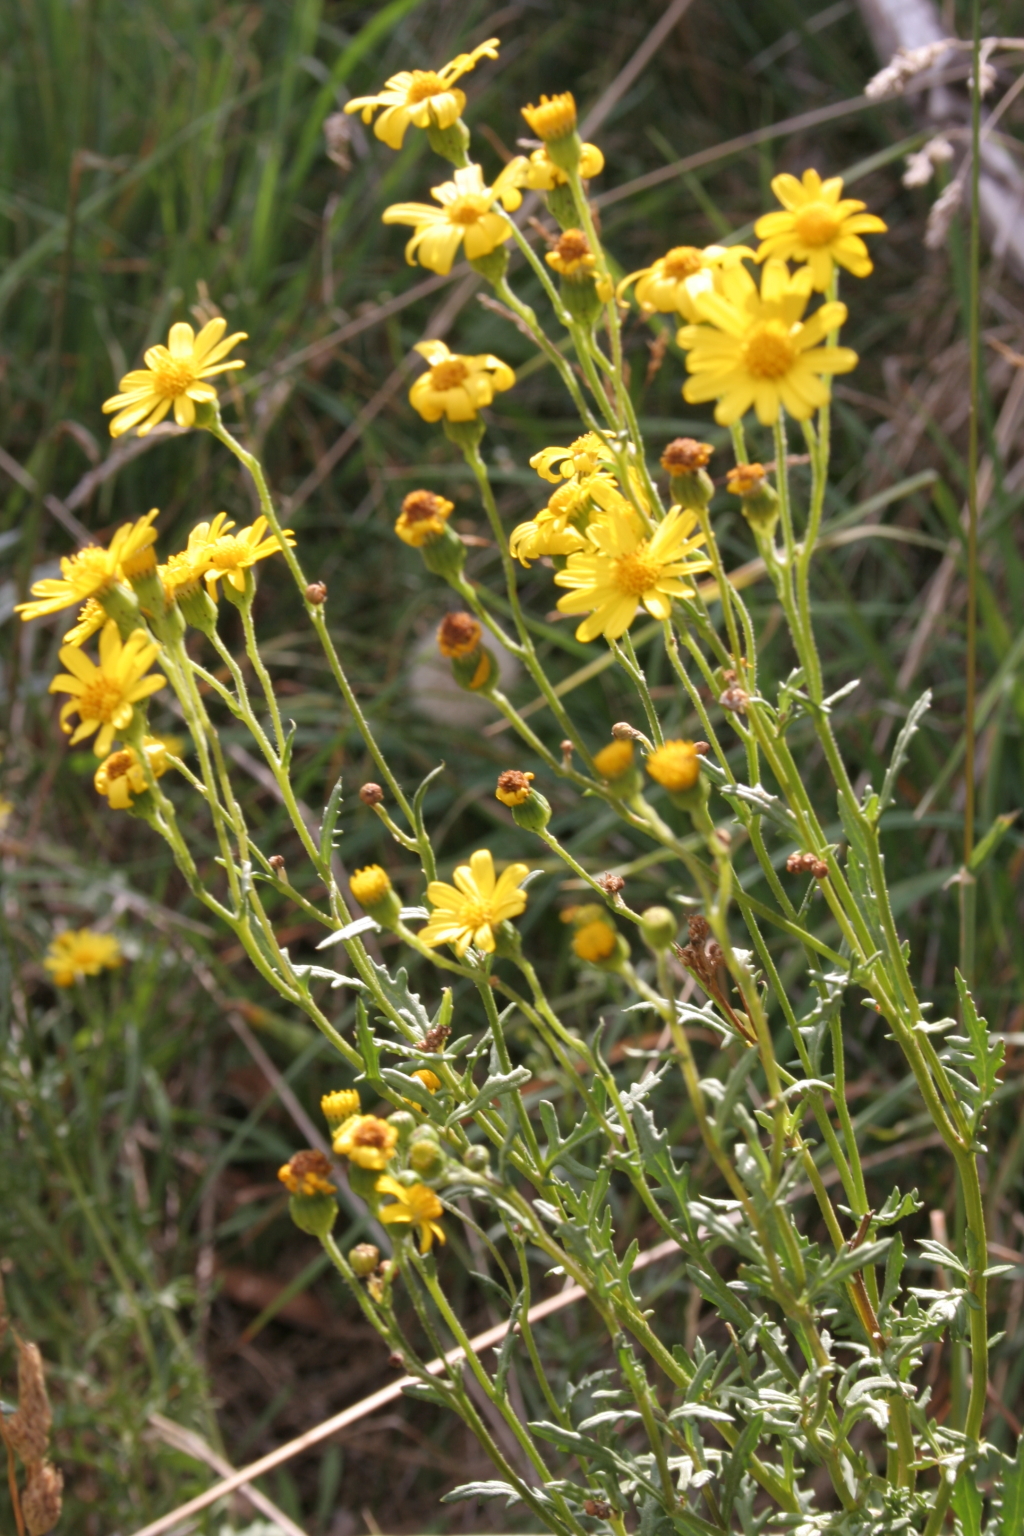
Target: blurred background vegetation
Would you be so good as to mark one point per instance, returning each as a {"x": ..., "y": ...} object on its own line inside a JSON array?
[{"x": 183, "y": 158}]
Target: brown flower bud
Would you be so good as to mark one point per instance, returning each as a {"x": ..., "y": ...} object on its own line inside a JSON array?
[
  {"x": 316, "y": 593},
  {"x": 685, "y": 454},
  {"x": 597, "y": 1509},
  {"x": 41, "y": 1499},
  {"x": 434, "y": 1039},
  {"x": 276, "y": 862},
  {"x": 701, "y": 748},
  {"x": 371, "y": 794},
  {"x": 623, "y": 731},
  {"x": 458, "y": 635},
  {"x": 611, "y": 884},
  {"x": 819, "y": 869},
  {"x": 796, "y": 863}
]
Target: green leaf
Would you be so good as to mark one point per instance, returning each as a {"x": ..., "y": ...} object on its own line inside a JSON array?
[
  {"x": 330, "y": 818},
  {"x": 500, "y": 1083},
  {"x": 575, "y": 1445},
  {"x": 897, "y": 1206},
  {"x": 990, "y": 842},
  {"x": 1013, "y": 1496},
  {"x": 366, "y": 1044},
  {"x": 967, "y": 1503},
  {"x": 738, "y": 1463},
  {"x": 491, "y": 1490},
  {"x": 899, "y": 752},
  {"x": 986, "y": 1055},
  {"x": 405, "y": 1003}
]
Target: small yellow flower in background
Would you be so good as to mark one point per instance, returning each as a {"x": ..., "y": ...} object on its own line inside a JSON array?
[
  {"x": 430, "y": 1080},
  {"x": 469, "y": 911},
  {"x": 614, "y": 760},
  {"x": 416, "y": 1204},
  {"x": 173, "y": 376},
  {"x": 230, "y": 555},
  {"x": 624, "y": 568},
  {"x": 369, "y": 886},
  {"x": 423, "y": 97},
  {"x": 584, "y": 456},
  {"x": 457, "y": 387},
  {"x": 81, "y": 952},
  {"x": 91, "y": 618},
  {"x": 121, "y": 775},
  {"x": 818, "y": 226},
  {"x": 595, "y": 940},
  {"x": 571, "y": 255},
  {"x": 307, "y": 1173},
  {"x": 554, "y": 118},
  {"x": 465, "y": 214},
  {"x": 543, "y": 175},
  {"x": 92, "y": 571},
  {"x": 366, "y": 1141},
  {"x": 745, "y": 479},
  {"x": 339, "y": 1106},
  {"x": 676, "y": 765},
  {"x": 513, "y": 786},
  {"x": 672, "y": 283},
  {"x": 458, "y": 635},
  {"x": 102, "y": 696},
  {"x": 423, "y": 517},
  {"x": 758, "y": 351}
]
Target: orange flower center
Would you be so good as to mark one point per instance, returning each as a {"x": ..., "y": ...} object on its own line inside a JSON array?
[
  {"x": 683, "y": 261},
  {"x": 817, "y": 224},
  {"x": 475, "y": 913},
  {"x": 100, "y": 699},
  {"x": 119, "y": 763},
  {"x": 424, "y": 83},
  {"x": 375, "y": 1135},
  {"x": 466, "y": 210},
  {"x": 636, "y": 574},
  {"x": 449, "y": 374},
  {"x": 171, "y": 379},
  {"x": 770, "y": 351}
]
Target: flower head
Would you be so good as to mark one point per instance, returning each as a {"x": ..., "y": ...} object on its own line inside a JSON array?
[
  {"x": 817, "y": 225},
  {"x": 469, "y": 911},
  {"x": 673, "y": 282},
  {"x": 307, "y": 1173},
  {"x": 685, "y": 454},
  {"x": 121, "y": 775},
  {"x": 624, "y": 567},
  {"x": 557, "y": 529},
  {"x": 614, "y": 760},
  {"x": 338, "y": 1106},
  {"x": 103, "y": 696},
  {"x": 465, "y": 214},
  {"x": 423, "y": 517},
  {"x": 543, "y": 175},
  {"x": 424, "y": 97},
  {"x": 230, "y": 555},
  {"x": 175, "y": 376},
  {"x": 554, "y": 118},
  {"x": 366, "y": 1141},
  {"x": 370, "y": 885},
  {"x": 745, "y": 479},
  {"x": 414, "y": 1203},
  {"x": 676, "y": 765},
  {"x": 583, "y": 456},
  {"x": 92, "y": 571},
  {"x": 457, "y": 387},
  {"x": 758, "y": 350},
  {"x": 595, "y": 940},
  {"x": 571, "y": 255},
  {"x": 91, "y": 618},
  {"x": 513, "y": 787},
  {"x": 458, "y": 635},
  {"x": 430, "y": 1080},
  {"x": 79, "y": 952}
]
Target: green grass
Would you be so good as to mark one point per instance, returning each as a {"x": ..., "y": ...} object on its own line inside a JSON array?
[{"x": 158, "y": 157}]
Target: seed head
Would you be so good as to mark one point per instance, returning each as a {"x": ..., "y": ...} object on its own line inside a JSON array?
[{"x": 371, "y": 794}]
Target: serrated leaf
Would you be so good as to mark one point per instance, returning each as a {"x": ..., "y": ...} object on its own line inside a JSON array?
[
  {"x": 1012, "y": 1522},
  {"x": 986, "y": 1054},
  {"x": 909, "y": 730},
  {"x": 575, "y": 1445},
  {"x": 897, "y": 1207},
  {"x": 330, "y": 819},
  {"x": 487, "y": 1490},
  {"x": 507, "y": 1082}
]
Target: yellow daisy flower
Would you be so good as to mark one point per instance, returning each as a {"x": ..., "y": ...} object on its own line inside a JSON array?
[
  {"x": 465, "y": 214},
  {"x": 625, "y": 567},
  {"x": 81, "y": 952},
  {"x": 614, "y": 760},
  {"x": 557, "y": 529},
  {"x": 595, "y": 941},
  {"x": 469, "y": 911},
  {"x": 121, "y": 775},
  {"x": 672, "y": 283},
  {"x": 584, "y": 456},
  {"x": 220, "y": 553},
  {"x": 422, "y": 518},
  {"x": 338, "y": 1106},
  {"x": 90, "y": 572},
  {"x": 758, "y": 351},
  {"x": 103, "y": 696},
  {"x": 414, "y": 1203},
  {"x": 424, "y": 97},
  {"x": 553, "y": 118},
  {"x": 366, "y": 1141},
  {"x": 541, "y": 174},
  {"x": 173, "y": 376},
  {"x": 676, "y": 765},
  {"x": 818, "y": 226},
  {"x": 457, "y": 387}
]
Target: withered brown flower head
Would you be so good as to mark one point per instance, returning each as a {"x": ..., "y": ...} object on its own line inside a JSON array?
[
  {"x": 573, "y": 245},
  {"x": 611, "y": 884},
  {"x": 371, "y": 794},
  {"x": 435, "y": 1038},
  {"x": 458, "y": 635},
  {"x": 684, "y": 455},
  {"x": 745, "y": 479},
  {"x": 418, "y": 506}
]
